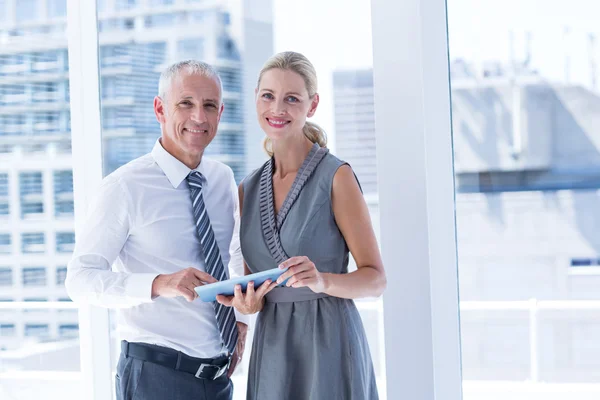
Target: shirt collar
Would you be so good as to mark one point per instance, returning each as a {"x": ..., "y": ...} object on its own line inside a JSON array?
[{"x": 175, "y": 170}]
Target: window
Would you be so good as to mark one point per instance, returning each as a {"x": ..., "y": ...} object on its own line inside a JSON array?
[
  {"x": 225, "y": 18},
  {"x": 32, "y": 243},
  {"x": 231, "y": 78},
  {"x": 57, "y": 8},
  {"x": 161, "y": 2},
  {"x": 226, "y": 49},
  {"x": 118, "y": 118},
  {"x": 585, "y": 262},
  {"x": 160, "y": 20},
  {"x": 63, "y": 193},
  {"x": 232, "y": 112},
  {"x": 12, "y": 95},
  {"x": 11, "y": 125},
  {"x": 3, "y": 185},
  {"x": 34, "y": 300},
  {"x": 61, "y": 275},
  {"x": 5, "y": 243},
  {"x": 37, "y": 330},
  {"x": 45, "y": 92},
  {"x": 527, "y": 183},
  {"x": 3, "y": 11},
  {"x": 68, "y": 330},
  {"x": 49, "y": 62},
  {"x": 115, "y": 56},
  {"x": 65, "y": 242},
  {"x": 125, "y": 4},
  {"x": 191, "y": 48},
  {"x": 4, "y": 199},
  {"x": 6, "y": 278},
  {"x": 34, "y": 133},
  {"x": 31, "y": 194},
  {"x": 198, "y": 16},
  {"x": 8, "y": 330},
  {"x": 34, "y": 276},
  {"x": 46, "y": 122},
  {"x": 27, "y": 10}
]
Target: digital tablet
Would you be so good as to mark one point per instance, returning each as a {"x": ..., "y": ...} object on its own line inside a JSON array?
[{"x": 209, "y": 292}]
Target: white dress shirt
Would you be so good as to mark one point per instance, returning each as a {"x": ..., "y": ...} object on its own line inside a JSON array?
[{"x": 141, "y": 223}]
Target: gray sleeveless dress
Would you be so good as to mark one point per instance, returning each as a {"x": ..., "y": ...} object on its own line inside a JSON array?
[{"x": 306, "y": 345}]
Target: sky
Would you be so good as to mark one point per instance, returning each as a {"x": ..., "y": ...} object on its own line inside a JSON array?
[{"x": 336, "y": 34}]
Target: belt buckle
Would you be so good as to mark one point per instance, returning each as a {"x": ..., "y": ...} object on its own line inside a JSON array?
[{"x": 220, "y": 371}]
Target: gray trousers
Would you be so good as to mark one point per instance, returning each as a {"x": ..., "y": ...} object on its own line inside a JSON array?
[{"x": 143, "y": 380}]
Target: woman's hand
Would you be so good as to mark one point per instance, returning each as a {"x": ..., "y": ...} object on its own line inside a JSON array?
[
  {"x": 250, "y": 302},
  {"x": 302, "y": 272}
]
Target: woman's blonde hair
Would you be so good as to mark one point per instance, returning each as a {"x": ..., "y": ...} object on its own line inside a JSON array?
[{"x": 298, "y": 63}]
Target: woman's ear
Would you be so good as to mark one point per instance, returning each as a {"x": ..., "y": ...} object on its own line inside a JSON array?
[{"x": 313, "y": 105}]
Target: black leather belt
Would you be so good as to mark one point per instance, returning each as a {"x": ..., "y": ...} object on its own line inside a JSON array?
[{"x": 203, "y": 368}]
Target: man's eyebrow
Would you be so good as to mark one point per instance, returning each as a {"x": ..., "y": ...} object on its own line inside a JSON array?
[{"x": 205, "y": 100}]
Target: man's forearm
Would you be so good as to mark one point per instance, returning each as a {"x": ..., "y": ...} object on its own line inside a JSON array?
[{"x": 95, "y": 284}]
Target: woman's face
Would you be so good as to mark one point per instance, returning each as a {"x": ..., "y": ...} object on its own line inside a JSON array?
[{"x": 283, "y": 103}]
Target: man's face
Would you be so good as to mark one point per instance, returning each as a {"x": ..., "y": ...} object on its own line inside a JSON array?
[{"x": 189, "y": 116}]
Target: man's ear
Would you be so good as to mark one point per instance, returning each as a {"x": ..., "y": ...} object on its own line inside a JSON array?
[
  {"x": 221, "y": 111},
  {"x": 159, "y": 110}
]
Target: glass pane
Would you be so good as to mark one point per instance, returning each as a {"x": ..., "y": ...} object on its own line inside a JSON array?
[
  {"x": 39, "y": 342},
  {"x": 237, "y": 41},
  {"x": 525, "y": 103},
  {"x": 27, "y": 10}
]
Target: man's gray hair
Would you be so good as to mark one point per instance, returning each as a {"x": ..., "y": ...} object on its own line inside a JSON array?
[{"x": 192, "y": 67}]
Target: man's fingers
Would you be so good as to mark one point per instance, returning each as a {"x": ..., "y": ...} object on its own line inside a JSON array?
[
  {"x": 204, "y": 277},
  {"x": 189, "y": 294},
  {"x": 250, "y": 289},
  {"x": 237, "y": 293},
  {"x": 232, "y": 366},
  {"x": 225, "y": 300},
  {"x": 196, "y": 283}
]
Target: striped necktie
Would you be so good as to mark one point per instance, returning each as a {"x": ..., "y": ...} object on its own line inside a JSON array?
[{"x": 212, "y": 258}]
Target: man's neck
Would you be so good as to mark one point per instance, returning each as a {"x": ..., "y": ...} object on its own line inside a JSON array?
[{"x": 191, "y": 162}]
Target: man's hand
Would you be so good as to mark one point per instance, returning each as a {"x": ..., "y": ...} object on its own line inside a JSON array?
[
  {"x": 180, "y": 283},
  {"x": 236, "y": 358}
]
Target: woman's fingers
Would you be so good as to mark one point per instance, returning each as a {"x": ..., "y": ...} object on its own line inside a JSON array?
[
  {"x": 290, "y": 262},
  {"x": 299, "y": 276},
  {"x": 294, "y": 270},
  {"x": 262, "y": 289}
]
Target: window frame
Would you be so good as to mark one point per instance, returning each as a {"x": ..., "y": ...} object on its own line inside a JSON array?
[{"x": 418, "y": 240}]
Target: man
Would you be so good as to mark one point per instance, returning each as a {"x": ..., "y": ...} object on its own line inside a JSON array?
[{"x": 169, "y": 221}]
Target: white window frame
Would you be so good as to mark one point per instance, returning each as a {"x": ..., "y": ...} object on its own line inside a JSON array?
[
  {"x": 416, "y": 185},
  {"x": 416, "y": 192},
  {"x": 82, "y": 33}
]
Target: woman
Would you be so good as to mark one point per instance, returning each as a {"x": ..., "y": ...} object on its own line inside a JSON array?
[{"x": 303, "y": 210}]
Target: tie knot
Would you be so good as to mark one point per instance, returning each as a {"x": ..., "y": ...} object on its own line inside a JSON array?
[{"x": 195, "y": 178}]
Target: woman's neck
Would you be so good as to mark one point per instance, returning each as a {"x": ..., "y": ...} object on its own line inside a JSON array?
[{"x": 289, "y": 154}]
